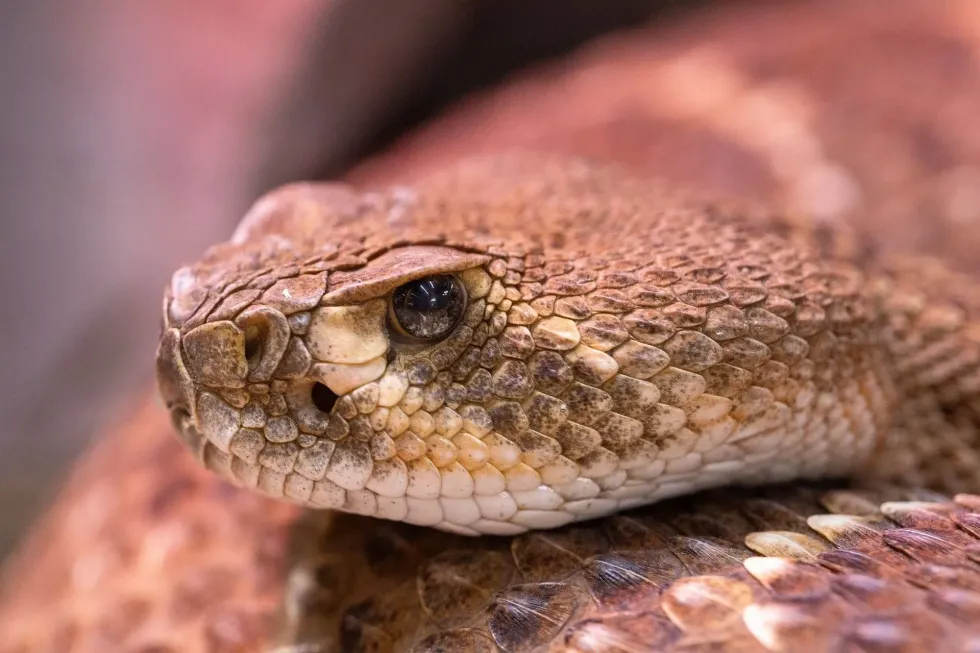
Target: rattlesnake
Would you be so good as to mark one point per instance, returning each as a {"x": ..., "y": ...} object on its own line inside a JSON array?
[
  {"x": 520, "y": 343},
  {"x": 593, "y": 341}
]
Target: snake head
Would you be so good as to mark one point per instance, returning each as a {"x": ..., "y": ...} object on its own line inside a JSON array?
[
  {"x": 387, "y": 354},
  {"x": 296, "y": 358}
]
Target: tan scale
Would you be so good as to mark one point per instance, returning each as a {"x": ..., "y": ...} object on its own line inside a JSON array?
[{"x": 708, "y": 349}]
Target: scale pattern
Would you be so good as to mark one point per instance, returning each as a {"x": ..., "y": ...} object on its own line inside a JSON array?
[
  {"x": 785, "y": 569},
  {"x": 591, "y": 372}
]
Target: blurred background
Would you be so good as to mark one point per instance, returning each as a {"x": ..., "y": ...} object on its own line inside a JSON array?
[{"x": 134, "y": 134}]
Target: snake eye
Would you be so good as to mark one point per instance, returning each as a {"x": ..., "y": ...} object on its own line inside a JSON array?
[{"x": 427, "y": 309}]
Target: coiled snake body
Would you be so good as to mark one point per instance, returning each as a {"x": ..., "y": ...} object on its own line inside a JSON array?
[{"x": 522, "y": 342}]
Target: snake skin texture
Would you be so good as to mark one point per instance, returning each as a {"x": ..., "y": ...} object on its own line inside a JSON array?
[
  {"x": 785, "y": 569},
  {"x": 146, "y": 551},
  {"x": 592, "y": 371}
]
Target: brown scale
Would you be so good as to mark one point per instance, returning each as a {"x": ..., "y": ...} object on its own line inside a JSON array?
[{"x": 707, "y": 571}]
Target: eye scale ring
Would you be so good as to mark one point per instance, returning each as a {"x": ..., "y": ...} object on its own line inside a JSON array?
[{"x": 427, "y": 309}]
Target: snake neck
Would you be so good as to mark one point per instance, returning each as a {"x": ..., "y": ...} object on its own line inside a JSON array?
[{"x": 931, "y": 353}]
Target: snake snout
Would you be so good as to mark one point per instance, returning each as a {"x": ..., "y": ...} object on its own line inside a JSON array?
[{"x": 176, "y": 387}]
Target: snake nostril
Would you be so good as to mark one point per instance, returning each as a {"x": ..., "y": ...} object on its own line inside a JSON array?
[
  {"x": 266, "y": 334},
  {"x": 323, "y": 397}
]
